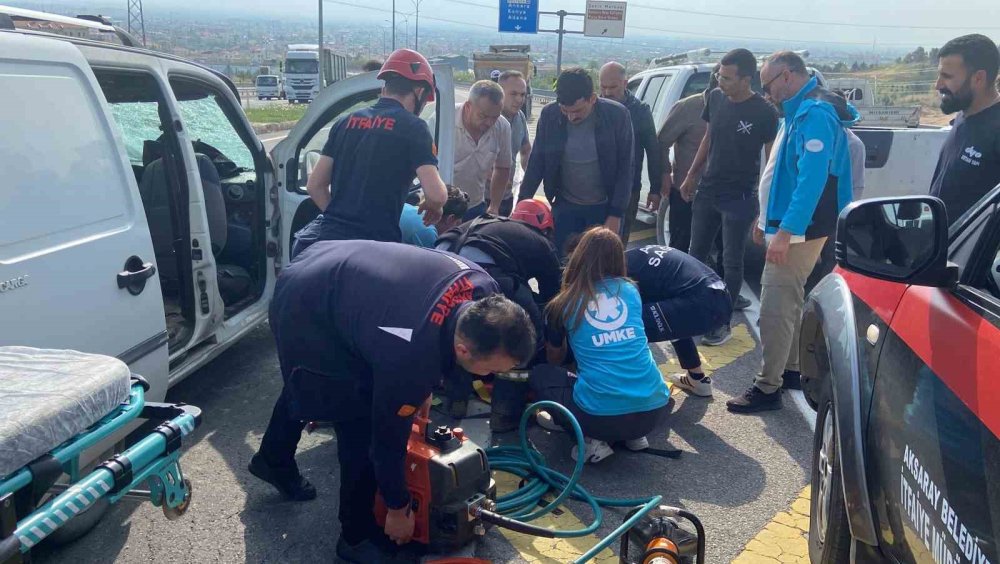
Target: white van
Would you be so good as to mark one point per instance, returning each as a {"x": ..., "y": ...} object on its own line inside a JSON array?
[
  {"x": 269, "y": 87},
  {"x": 141, "y": 215}
]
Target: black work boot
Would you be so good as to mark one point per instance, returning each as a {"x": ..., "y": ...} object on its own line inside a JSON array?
[
  {"x": 791, "y": 380},
  {"x": 754, "y": 400},
  {"x": 288, "y": 481}
]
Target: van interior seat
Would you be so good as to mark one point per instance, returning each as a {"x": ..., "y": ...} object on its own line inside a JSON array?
[{"x": 234, "y": 281}]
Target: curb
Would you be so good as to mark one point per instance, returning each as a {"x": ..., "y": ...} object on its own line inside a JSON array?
[{"x": 259, "y": 128}]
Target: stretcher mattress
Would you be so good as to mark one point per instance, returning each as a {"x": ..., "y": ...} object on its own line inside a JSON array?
[{"x": 49, "y": 396}]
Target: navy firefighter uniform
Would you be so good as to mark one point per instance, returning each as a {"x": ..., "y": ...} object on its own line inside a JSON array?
[
  {"x": 364, "y": 330},
  {"x": 376, "y": 152},
  {"x": 681, "y": 298}
]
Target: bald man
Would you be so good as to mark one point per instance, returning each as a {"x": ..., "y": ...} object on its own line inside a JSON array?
[{"x": 613, "y": 80}]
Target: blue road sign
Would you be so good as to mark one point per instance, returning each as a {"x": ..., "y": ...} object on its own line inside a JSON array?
[{"x": 518, "y": 16}]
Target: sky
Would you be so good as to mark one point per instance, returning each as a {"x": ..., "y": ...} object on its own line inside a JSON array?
[{"x": 886, "y": 23}]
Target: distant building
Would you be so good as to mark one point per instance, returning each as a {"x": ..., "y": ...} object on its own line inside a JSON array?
[{"x": 458, "y": 62}]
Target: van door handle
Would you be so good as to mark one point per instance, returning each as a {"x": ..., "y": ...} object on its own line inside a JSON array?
[{"x": 134, "y": 277}]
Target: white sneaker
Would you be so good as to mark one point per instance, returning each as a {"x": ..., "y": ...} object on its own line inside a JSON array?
[
  {"x": 637, "y": 444},
  {"x": 545, "y": 421},
  {"x": 596, "y": 451},
  {"x": 702, "y": 388}
]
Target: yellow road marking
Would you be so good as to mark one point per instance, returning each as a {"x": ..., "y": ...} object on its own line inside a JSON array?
[
  {"x": 536, "y": 549},
  {"x": 784, "y": 539},
  {"x": 642, "y": 235},
  {"x": 714, "y": 358}
]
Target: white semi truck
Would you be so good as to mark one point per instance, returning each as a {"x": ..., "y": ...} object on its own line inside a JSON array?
[{"x": 302, "y": 71}]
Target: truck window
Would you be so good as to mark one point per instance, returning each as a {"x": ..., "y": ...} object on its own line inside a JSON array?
[
  {"x": 654, "y": 88},
  {"x": 696, "y": 84},
  {"x": 267, "y": 81},
  {"x": 301, "y": 66},
  {"x": 633, "y": 85}
]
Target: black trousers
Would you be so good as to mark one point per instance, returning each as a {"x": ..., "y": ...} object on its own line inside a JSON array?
[
  {"x": 555, "y": 383},
  {"x": 357, "y": 474},
  {"x": 629, "y": 218}
]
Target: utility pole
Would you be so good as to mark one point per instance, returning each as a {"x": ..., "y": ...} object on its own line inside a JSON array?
[
  {"x": 561, "y": 31},
  {"x": 393, "y": 25},
  {"x": 136, "y": 25},
  {"x": 416, "y": 25},
  {"x": 320, "y": 50}
]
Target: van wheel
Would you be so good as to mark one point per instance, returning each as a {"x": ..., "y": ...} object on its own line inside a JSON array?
[{"x": 829, "y": 532}]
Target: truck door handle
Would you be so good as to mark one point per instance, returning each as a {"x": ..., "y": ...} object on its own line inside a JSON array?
[{"x": 134, "y": 277}]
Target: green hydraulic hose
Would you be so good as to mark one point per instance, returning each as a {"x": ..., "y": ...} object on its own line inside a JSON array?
[{"x": 528, "y": 464}]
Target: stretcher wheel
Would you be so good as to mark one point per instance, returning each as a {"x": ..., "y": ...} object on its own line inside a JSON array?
[
  {"x": 174, "y": 513},
  {"x": 81, "y": 524}
]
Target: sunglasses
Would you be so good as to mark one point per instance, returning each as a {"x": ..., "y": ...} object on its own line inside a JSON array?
[{"x": 766, "y": 87}]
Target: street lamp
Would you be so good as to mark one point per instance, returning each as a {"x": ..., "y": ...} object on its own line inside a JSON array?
[{"x": 406, "y": 23}]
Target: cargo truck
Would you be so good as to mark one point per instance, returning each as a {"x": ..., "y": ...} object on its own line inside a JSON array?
[{"x": 501, "y": 58}]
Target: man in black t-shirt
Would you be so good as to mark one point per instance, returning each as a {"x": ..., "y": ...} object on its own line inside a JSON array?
[
  {"x": 681, "y": 299},
  {"x": 364, "y": 331},
  {"x": 372, "y": 155},
  {"x": 740, "y": 124},
  {"x": 969, "y": 164}
]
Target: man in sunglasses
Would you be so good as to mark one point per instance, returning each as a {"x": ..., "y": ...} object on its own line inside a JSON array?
[
  {"x": 740, "y": 124},
  {"x": 811, "y": 183}
]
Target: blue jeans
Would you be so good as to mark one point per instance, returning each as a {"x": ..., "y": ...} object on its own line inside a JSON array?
[
  {"x": 572, "y": 219},
  {"x": 735, "y": 216}
]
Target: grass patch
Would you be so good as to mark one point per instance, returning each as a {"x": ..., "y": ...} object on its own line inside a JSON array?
[{"x": 276, "y": 113}]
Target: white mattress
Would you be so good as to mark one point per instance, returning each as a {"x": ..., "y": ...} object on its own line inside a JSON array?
[{"x": 49, "y": 396}]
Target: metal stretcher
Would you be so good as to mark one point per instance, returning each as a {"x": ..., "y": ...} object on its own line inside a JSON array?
[{"x": 153, "y": 461}]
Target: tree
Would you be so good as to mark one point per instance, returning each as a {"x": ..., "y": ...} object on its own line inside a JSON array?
[
  {"x": 934, "y": 55},
  {"x": 855, "y": 67}
]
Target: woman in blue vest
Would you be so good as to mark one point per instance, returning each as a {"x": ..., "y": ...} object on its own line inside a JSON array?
[{"x": 617, "y": 393}]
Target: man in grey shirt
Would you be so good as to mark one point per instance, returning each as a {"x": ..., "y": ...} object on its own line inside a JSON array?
[
  {"x": 583, "y": 153},
  {"x": 515, "y": 90}
]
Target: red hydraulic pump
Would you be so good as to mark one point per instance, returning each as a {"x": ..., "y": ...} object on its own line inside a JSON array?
[{"x": 449, "y": 480}]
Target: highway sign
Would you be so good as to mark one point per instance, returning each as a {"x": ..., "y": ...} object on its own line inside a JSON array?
[
  {"x": 604, "y": 19},
  {"x": 518, "y": 16}
]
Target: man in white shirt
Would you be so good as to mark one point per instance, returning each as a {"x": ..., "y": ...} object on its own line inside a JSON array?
[{"x": 482, "y": 147}]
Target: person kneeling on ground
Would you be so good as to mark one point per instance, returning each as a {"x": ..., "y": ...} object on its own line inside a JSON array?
[
  {"x": 681, "y": 298},
  {"x": 513, "y": 251},
  {"x": 364, "y": 331},
  {"x": 617, "y": 393}
]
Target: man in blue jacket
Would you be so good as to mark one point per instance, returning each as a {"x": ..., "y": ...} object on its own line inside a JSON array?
[
  {"x": 811, "y": 183},
  {"x": 583, "y": 152}
]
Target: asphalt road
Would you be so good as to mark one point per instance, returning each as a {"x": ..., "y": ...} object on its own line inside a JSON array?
[{"x": 735, "y": 472}]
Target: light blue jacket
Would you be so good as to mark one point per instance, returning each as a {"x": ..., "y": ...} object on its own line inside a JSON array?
[{"x": 812, "y": 176}]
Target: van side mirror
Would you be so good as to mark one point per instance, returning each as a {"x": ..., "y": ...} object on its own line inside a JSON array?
[{"x": 902, "y": 239}]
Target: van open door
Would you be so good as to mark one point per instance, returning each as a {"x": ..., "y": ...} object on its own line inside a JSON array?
[{"x": 296, "y": 155}]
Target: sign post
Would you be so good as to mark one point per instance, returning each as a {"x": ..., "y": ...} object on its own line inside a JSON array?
[
  {"x": 605, "y": 18},
  {"x": 518, "y": 16}
]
